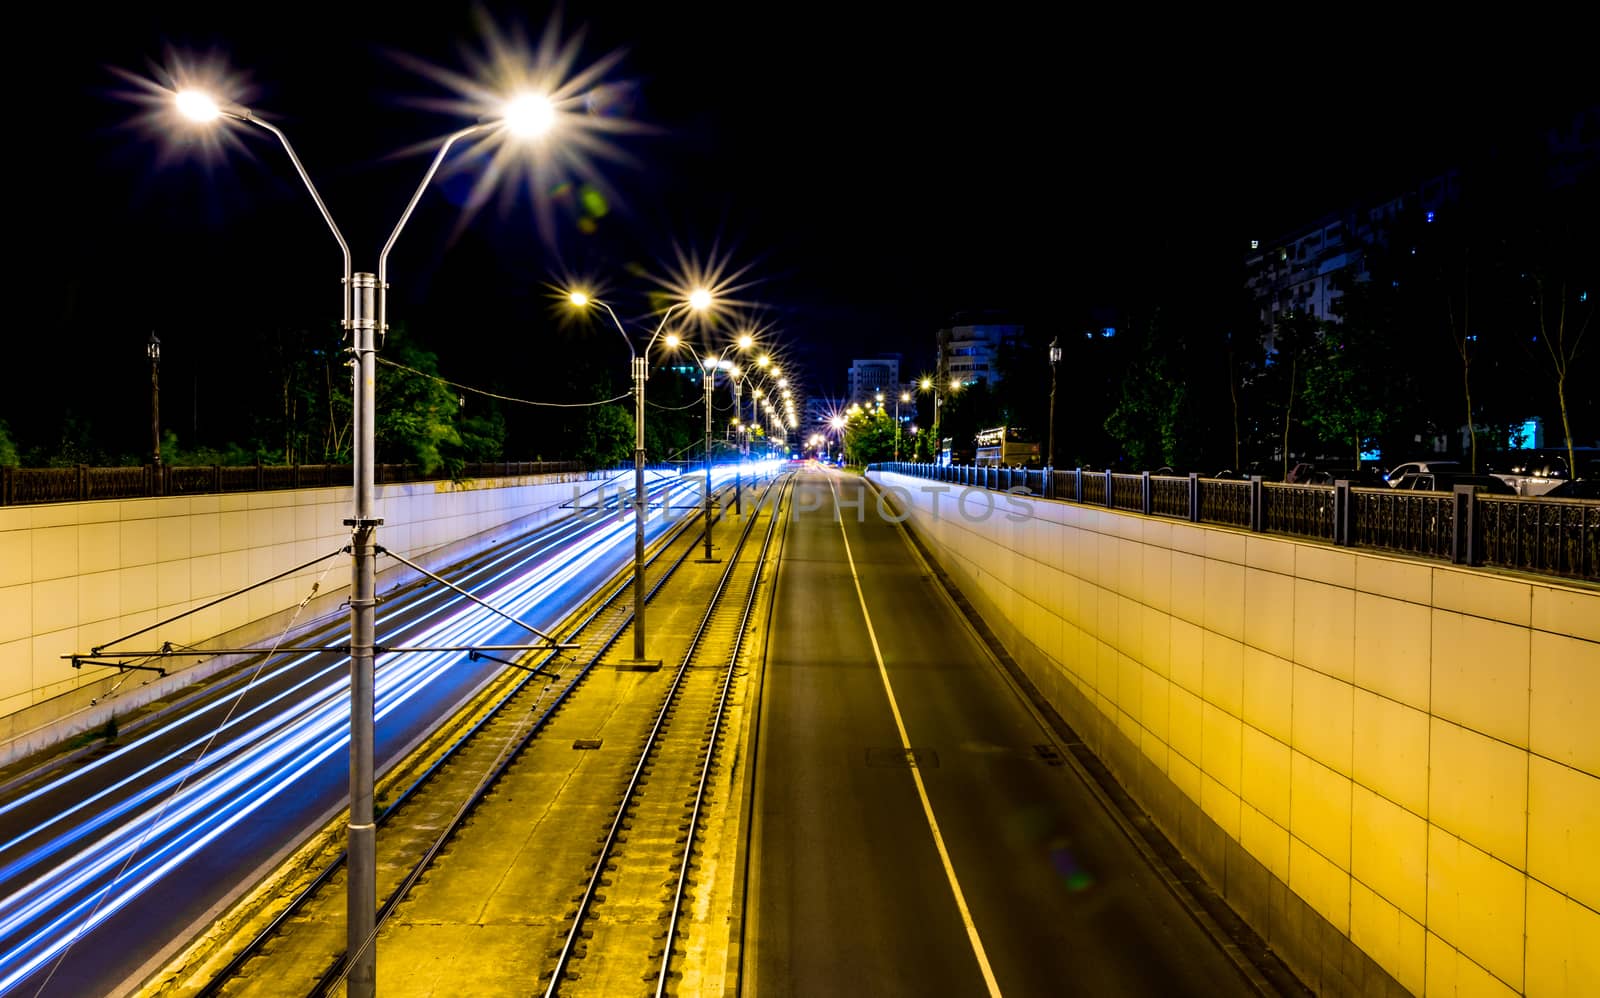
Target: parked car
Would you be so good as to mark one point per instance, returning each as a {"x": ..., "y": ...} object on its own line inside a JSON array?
[
  {"x": 1399, "y": 471},
  {"x": 1362, "y": 478},
  {"x": 1446, "y": 481},
  {"x": 1530, "y": 472},
  {"x": 1575, "y": 488}
]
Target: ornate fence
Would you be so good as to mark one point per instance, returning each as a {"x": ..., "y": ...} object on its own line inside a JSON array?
[
  {"x": 1525, "y": 533},
  {"x": 27, "y": 486}
]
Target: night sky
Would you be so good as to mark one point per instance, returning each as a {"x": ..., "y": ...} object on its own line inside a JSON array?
[{"x": 866, "y": 170}]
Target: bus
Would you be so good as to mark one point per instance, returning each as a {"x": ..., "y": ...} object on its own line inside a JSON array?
[{"x": 1005, "y": 447}]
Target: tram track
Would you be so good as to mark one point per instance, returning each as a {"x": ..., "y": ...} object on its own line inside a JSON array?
[{"x": 427, "y": 801}]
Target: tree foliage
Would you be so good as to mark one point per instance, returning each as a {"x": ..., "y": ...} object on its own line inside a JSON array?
[
  {"x": 868, "y": 436},
  {"x": 1151, "y": 415}
]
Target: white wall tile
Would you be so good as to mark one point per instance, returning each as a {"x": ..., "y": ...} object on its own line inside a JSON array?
[
  {"x": 1394, "y": 648},
  {"x": 1564, "y": 830},
  {"x": 1476, "y": 904},
  {"x": 1480, "y": 675},
  {"x": 1391, "y": 750},
  {"x": 1478, "y": 789},
  {"x": 1564, "y": 700}
]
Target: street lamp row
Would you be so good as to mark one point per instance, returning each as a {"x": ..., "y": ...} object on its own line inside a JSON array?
[{"x": 363, "y": 316}]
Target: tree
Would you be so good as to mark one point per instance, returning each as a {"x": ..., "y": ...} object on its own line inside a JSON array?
[
  {"x": 1150, "y": 416},
  {"x": 416, "y": 410},
  {"x": 869, "y": 437},
  {"x": 1346, "y": 392},
  {"x": 1559, "y": 282},
  {"x": 963, "y": 413},
  {"x": 8, "y": 448},
  {"x": 1293, "y": 339},
  {"x": 608, "y": 436}
]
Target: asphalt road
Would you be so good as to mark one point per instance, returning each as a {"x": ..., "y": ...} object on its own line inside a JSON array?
[{"x": 915, "y": 831}]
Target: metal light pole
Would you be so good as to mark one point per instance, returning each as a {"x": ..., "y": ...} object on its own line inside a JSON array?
[
  {"x": 1055, "y": 358},
  {"x": 708, "y": 368},
  {"x": 737, "y": 467},
  {"x": 152, "y": 350},
  {"x": 904, "y": 397},
  {"x": 364, "y": 315},
  {"x": 710, "y": 385},
  {"x": 641, "y": 373}
]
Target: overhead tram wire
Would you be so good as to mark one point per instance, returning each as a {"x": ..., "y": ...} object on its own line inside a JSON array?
[
  {"x": 189, "y": 770},
  {"x": 503, "y": 398}
]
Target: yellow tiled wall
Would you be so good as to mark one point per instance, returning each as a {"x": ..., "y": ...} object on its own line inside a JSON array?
[
  {"x": 76, "y": 575},
  {"x": 1412, "y": 747}
]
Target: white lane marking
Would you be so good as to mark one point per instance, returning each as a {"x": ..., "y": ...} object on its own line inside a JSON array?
[{"x": 916, "y": 774}]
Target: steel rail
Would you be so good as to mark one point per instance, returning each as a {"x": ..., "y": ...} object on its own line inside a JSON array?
[{"x": 585, "y": 903}]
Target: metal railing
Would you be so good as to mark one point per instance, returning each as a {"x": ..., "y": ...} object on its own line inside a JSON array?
[
  {"x": 1558, "y": 537},
  {"x": 30, "y": 486}
]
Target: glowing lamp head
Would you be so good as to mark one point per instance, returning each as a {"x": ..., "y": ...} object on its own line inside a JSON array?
[
  {"x": 699, "y": 299},
  {"x": 529, "y": 115},
  {"x": 672, "y": 341},
  {"x": 196, "y": 105},
  {"x": 746, "y": 341},
  {"x": 927, "y": 383},
  {"x": 578, "y": 298},
  {"x": 838, "y": 422},
  {"x": 763, "y": 360},
  {"x": 955, "y": 384}
]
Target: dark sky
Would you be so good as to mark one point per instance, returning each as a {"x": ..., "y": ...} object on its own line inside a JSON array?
[{"x": 869, "y": 169}]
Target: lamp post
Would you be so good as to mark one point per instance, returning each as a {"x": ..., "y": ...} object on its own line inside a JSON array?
[
  {"x": 364, "y": 315},
  {"x": 152, "y": 350},
  {"x": 697, "y": 300},
  {"x": 708, "y": 366},
  {"x": 904, "y": 397},
  {"x": 1055, "y": 358},
  {"x": 928, "y": 385}
]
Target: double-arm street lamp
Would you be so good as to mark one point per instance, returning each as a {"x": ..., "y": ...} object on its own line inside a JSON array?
[
  {"x": 364, "y": 315},
  {"x": 929, "y": 385},
  {"x": 770, "y": 376},
  {"x": 709, "y": 365},
  {"x": 697, "y": 300}
]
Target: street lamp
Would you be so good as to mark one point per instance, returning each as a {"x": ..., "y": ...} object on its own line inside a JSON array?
[
  {"x": 928, "y": 385},
  {"x": 364, "y": 315},
  {"x": 904, "y": 397},
  {"x": 152, "y": 349},
  {"x": 709, "y": 366},
  {"x": 1055, "y": 358},
  {"x": 697, "y": 300}
]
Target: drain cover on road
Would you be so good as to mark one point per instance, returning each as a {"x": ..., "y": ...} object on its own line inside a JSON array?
[{"x": 901, "y": 758}]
